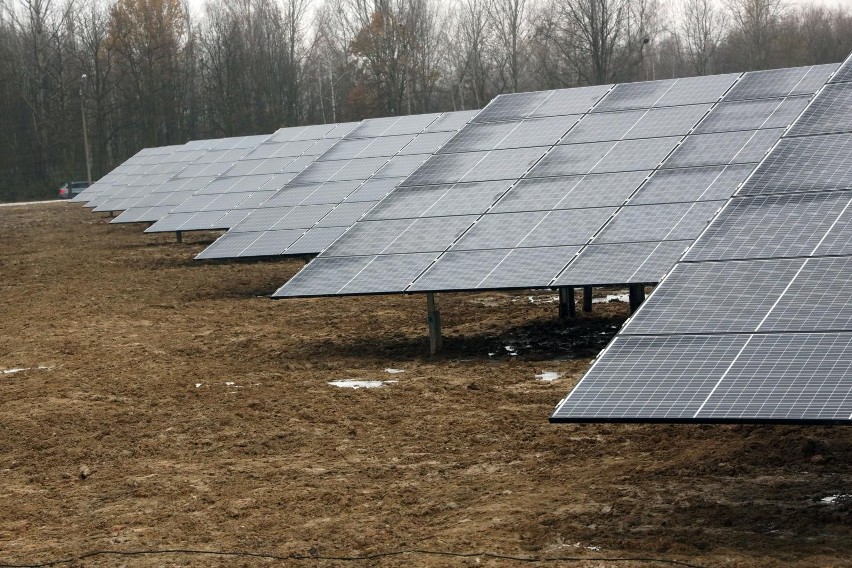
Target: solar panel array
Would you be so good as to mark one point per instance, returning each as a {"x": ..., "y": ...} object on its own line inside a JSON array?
[
  {"x": 755, "y": 323},
  {"x": 590, "y": 186},
  {"x": 107, "y": 182},
  {"x": 127, "y": 174},
  {"x": 319, "y": 203},
  {"x": 158, "y": 169},
  {"x": 223, "y": 201},
  {"x": 158, "y": 197}
]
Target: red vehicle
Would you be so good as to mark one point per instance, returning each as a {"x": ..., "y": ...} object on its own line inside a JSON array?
[{"x": 71, "y": 188}]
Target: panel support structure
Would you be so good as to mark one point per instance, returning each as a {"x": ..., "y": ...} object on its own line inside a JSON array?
[
  {"x": 567, "y": 310},
  {"x": 637, "y": 296},
  {"x": 587, "y": 299},
  {"x": 178, "y": 237},
  {"x": 434, "y": 319}
]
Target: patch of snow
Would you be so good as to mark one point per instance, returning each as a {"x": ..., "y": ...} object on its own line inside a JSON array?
[
  {"x": 831, "y": 499},
  {"x": 511, "y": 350},
  {"x": 198, "y": 385},
  {"x": 594, "y": 548},
  {"x": 612, "y": 298},
  {"x": 17, "y": 203},
  {"x": 358, "y": 384},
  {"x": 548, "y": 376},
  {"x": 19, "y": 369},
  {"x": 229, "y": 383},
  {"x": 394, "y": 371}
]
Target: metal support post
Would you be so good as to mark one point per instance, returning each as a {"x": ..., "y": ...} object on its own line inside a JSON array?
[
  {"x": 637, "y": 296},
  {"x": 567, "y": 310},
  {"x": 178, "y": 237},
  {"x": 434, "y": 319},
  {"x": 587, "y": 299}
]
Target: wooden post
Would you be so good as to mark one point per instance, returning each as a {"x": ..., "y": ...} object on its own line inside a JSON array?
[
  {"x": 434, "y": 319},
  {"x": 567, "y": 310},
  {"x": 587, "y": 299},
  {"x": 112, "y": 213},
  {"x": 637, "y": 296},
  {"x": 178, "y": 237}
]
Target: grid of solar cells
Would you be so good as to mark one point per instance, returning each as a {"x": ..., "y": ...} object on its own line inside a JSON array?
[
  {"x": 755, "y": 322},
  {"x": 629, "y": 146},
  {"x": 708, "y": 167},
  {"x": 229, "y": 198},
  {"x": 158, "y": 169},
  {"x": 340, "y": 187},
  {"x": 843, "y": 74},
  {"x": 534, "y": 186},
  {"x": 129, "y": 172},
  {"x": 218, "y": 156},
  {"x": 113, "y": 177}
]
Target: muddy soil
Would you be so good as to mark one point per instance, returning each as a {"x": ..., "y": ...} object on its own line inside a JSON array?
[{"x": 178, "y": 408}]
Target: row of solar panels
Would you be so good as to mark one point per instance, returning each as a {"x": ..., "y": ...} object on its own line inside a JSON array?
[
  {"x": 589, "y": 186},
  {"x": 755, "y": 321}
]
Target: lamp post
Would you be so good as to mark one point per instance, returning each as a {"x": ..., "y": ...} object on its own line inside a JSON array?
[{"x": 85, "y": 132}]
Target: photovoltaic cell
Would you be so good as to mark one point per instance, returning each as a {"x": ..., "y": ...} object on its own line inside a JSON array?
[
  {"x": 622, "y": 263},
  {"x": 815, "y": 163},
  {"x": 569, "y": 101},
  {"x": 828, "y": 115},
  {"x": 512, "y": 106},
  {"x": 699, "y": 183},
  {"x": 771, "y": 226},
  {"x": 387, "y": 273},
  {"x": 440, "y": 200},
  {"x": 534, "y": 229},
  {"x": 753, "y": 114},
  {"x": 724, "y": 148},
  {"x": 710, "y": 297},
  {"x": 661, "y": 222},
  {"x": 781, "y": 82},
  {"x": 787, "y": 377},
  {"x": 494, "y": 269},
  {"x": 663, "y": 378},
  {"x": 318, "y": 238},
  {"x": 843, "y": 74},
  {"x": 571, "y": 192}
]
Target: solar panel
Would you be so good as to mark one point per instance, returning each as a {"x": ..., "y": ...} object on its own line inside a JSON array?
[
  {"x": 781, "y": 82},
  {"x": 622, "y": 263},
  {"x": 827, "y": 116},
  {"x": 724, "y": 148},
  {"x": 346, "y": 184},
  {"x": 843, "y": 74},
  {"x": 494, "y": 268},
  {"x": 571, "y": 192},
  {"x": 753, "y": 114},
  {"x": 629, "y": 184},
  {"x": 194, "y": 172},
  {"x": 252, "y": 179},
  {"x": 772, "y": 226},
  {"x": 700, "y": 183},
  {"x": 754, "y": 322},
  {"x": 659, "y": 222}
]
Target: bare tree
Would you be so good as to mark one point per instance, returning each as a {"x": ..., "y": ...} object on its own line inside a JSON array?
[
  {"x": 509, "y": 20},
  {"x": 757, "y": 22},
  {"x": 702, "y": 29},
  {"x": 594, "y": 30}
]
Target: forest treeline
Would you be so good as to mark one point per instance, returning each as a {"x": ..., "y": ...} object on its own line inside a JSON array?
[{"x": 155, "y": 72}]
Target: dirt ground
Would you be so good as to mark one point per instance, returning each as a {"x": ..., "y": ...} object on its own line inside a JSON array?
[{"x": 181, "y": 409}]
